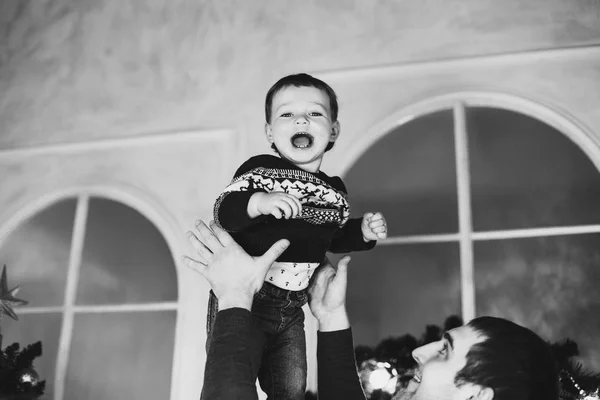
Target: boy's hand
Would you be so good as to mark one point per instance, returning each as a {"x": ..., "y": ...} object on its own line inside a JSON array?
[
  {"x": 373, "y": 227},
  {"x": 278, "y": 204}
]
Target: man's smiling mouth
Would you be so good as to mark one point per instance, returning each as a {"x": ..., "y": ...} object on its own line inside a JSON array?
[{"x": 302, "y": 140}]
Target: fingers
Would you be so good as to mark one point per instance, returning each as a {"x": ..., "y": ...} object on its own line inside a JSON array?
[
  {"x": 288, "y": 206},
  {"x": 285, "y": 207},
  {"x": 320, "y": 280},
  {"x": 378, "y": 225},
  {"x": 294, "y": 204},
  {"x": 325, "y": 272},
  {"x": 204, "y": 253},
  {"x": 342, "y": 270},
  {"x": 221, "y": 234},
  {"x": 195, "y": 265},
  {"x": 207, "y": 237},
  {"x": 274, "y": 252},
  {"x": 276, "y": 212},
  {"x": 343, "y": 263},
  {"x": 375, "y": 216}
]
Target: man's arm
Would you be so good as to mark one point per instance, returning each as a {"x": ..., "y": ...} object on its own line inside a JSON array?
[
  {"x": 235, "y": 277},
  {"x": 337, "y": 374},
  {"x": 338, "y": 378},
  {"x": 229, "y": 372}
]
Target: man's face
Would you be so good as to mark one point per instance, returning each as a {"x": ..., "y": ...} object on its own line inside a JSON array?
[
  {"x": 438, "y": 363},
  {"x": 301, "y": 126}
]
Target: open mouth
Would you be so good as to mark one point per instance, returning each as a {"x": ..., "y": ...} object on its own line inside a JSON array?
[{"x": 302, "y": 140}]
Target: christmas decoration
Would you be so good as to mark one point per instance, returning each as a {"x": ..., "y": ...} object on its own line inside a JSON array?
[
  {"x": 7, "y": 298},
  {"x": 576, "y": 383},
  {"x": 377, "y": 376},
  {"x": 18, "y": 379}
]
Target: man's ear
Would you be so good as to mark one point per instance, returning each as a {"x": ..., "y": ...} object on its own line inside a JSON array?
[
  {"x": 335, "y": 131},
  {"x": 268, "y": 132},
  {"x": 469, "y": 391}
]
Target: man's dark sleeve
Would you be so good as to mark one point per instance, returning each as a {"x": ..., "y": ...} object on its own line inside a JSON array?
[
  {"x": 230, "y": 373},
  {"x": 336, "y": 365}
]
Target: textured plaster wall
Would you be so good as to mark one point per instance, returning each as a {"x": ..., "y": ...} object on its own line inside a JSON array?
[
  {"x": 87, "y": 70},
  {"x": 79, "y": 70}
]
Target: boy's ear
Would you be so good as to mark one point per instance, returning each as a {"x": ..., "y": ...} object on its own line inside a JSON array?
[
  {"x": 268, "y": 132},
  {"x": 335, "y": 131}
]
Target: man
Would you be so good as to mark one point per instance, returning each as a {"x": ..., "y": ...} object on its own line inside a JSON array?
[{"x": 488, "y": 359}]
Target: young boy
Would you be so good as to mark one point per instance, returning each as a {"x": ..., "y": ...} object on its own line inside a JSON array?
[{"x": 271, "y": 198}]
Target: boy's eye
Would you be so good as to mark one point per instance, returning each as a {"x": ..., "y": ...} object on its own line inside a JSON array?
[
  {"x": 444, "y": 350},
  {"x": 286, "y": 114},
  {"x": 315, "y": 114}
]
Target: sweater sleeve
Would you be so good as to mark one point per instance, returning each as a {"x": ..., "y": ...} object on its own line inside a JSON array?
[
  {"x": 229, "y": 370},
  {"x": 231, "y": 207},
  {"x": 349, "y": 238},
  {"x": 337, "y": 374}
]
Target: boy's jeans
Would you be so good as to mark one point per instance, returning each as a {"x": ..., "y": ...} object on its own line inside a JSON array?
[{"x": 280, "y": 350}]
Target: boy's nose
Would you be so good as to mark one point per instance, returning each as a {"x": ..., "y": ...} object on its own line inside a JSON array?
[{"x": 301, "y": 119}]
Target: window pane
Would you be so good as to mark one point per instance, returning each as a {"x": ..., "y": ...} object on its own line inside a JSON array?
[
  {"x": 125, "y": 258},
  {"x": 393, "y": 290},
  {"x": 121, "y": 356},
  {"x": 36, "y": 254},
  {"x": 410, "y": 176},
  {"x": 547, "y": 284},
  {"x": 31, "y": 328},
  {"x": 526, "y": 174}
]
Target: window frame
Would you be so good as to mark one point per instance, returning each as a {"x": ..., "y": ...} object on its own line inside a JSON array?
[
  {"x": 148, "y": 209},
  {"x": 458, "y": 103}
]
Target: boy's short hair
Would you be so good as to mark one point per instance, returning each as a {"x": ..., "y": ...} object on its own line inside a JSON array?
[
  {"x": 301, "y": 80},
  {"x": 512, "y": 360}
]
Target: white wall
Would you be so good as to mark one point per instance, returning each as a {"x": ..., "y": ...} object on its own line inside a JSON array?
[{"x": 90, "y": 71}]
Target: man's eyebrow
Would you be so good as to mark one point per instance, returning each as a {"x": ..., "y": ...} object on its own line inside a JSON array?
[{"x": 449, "y": 338}]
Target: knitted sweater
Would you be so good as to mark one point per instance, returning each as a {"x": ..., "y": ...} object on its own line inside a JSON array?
[{"x": 324, "y": 224}]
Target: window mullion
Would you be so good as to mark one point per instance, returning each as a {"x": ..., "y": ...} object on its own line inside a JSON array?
[
  {"x": 464, "y": 212},
  {"x": 66, "y": 334}
]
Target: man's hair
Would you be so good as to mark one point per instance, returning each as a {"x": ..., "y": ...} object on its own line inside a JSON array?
[
  {"x": 301, "y": 80},
  {"x": 512, "y": 360}
]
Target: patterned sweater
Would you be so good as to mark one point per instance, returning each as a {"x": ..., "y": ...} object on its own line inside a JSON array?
[{"x": 324, "y": 224}]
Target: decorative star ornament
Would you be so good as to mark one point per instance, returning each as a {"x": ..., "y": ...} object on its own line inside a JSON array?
[{"x": 7, "y": 298}]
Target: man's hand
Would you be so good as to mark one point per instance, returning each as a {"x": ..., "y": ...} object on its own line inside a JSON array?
[
  {"x": 278, "y": 204},
  {"x": 234, "y": 276},
  {"x": 373, "y": 227},
  {"x": 327, "y": 295}
]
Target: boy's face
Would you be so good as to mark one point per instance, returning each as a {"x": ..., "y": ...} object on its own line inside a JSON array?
[{"x": 301, "y": 126}]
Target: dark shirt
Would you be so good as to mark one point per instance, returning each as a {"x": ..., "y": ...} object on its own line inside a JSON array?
[
  {"x": 325, "y": 224},
  {"x": 230, "y": 373}
]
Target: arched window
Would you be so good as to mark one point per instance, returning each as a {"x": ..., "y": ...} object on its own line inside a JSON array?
[
  {"x": 491, "y": 211},
  {"x": 101, "y": 285}
]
